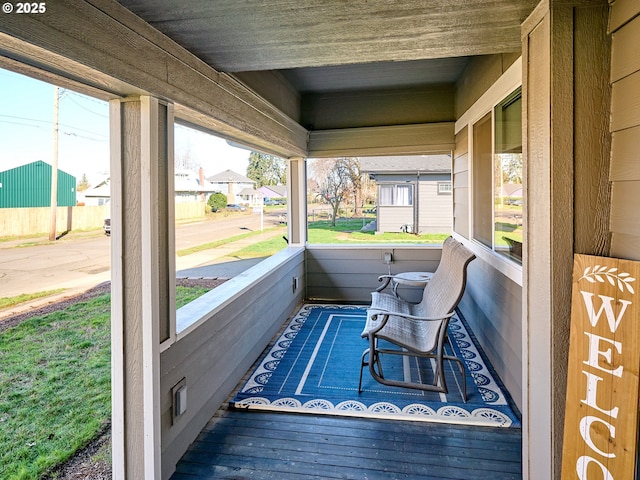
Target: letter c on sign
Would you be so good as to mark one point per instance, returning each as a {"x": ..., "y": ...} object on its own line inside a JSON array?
[
  {"x": 585, "y": 431},
  {"x": 583, "y": 463}
]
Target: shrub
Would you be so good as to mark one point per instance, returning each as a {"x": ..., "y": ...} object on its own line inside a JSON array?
[{"x": 217, "y": 201}]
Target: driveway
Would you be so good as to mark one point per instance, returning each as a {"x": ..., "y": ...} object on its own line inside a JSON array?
[{"x": 80, "y": 261}]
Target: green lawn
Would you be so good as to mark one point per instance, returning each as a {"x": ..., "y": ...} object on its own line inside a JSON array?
[
  {"x": 6, "y": 302},
  {"x": 55, "y": 385},
  {"x": 348, "y": 231}
]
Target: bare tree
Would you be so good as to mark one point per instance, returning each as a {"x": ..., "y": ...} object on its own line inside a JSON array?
[{"x": 335, "y": 178}]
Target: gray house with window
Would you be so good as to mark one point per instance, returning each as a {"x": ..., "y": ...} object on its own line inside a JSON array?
[{"x": 414, "y": 192}]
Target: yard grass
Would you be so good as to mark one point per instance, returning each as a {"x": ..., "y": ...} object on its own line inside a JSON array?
[
  {"x": 260, "y": 249},
  {"x": 348, "y": 231},
  {"x": 210, "y": 245},
  {"x": 55, "y": 384},
  {"x": 6, "y": 302}
]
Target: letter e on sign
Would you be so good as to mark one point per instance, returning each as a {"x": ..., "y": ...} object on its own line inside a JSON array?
[{"x": 601, "y": 416}]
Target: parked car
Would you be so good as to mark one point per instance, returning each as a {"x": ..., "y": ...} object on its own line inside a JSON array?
[
  {"x": 107, "y": 226},
  {"x": 235, "y": 207},
  {"x": 275, "y": 201}
]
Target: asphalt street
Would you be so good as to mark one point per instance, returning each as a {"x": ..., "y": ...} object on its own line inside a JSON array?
[{"x": 80, "y": 261}]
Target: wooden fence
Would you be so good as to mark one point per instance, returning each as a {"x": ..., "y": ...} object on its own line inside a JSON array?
[{"x": 17, "y": 222}]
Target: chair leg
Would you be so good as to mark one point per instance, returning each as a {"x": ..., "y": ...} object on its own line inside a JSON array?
[{"x": 363, "y": 362}]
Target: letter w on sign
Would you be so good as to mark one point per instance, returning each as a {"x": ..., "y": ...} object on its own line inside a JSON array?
[{"x": 601, "y": 417}]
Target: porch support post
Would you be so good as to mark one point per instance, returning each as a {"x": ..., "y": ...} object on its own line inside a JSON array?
[
  {"x": 563, "y": 149},
  {"x": 142, "y": 278},
  {"x": 297, "y": 202}
]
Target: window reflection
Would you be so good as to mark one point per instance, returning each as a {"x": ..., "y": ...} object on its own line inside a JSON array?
[{"x": 508, "y": 192}]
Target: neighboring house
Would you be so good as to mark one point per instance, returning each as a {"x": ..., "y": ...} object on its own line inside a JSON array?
[
  {"x": 98, "y": 195},
  {"x": 414, "y": 192},
  {"x": 232, "y": 184},
  {"x": 188, "y": 187},
  {"x": 250, "y": 196},
  {"x": 274, "y": 191},
  {"x": 30, "y": 186}
]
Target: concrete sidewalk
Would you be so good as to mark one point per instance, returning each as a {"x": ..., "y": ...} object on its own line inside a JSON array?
[{"x": 212, "y": 263}]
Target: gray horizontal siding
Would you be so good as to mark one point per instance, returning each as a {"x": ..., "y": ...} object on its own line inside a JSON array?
[
  {"x": 625, "y": 127},
  {"x": 343, "y": 273},
  {"x": 493, "y": 306},
  {"x": 435, "y": 211}
]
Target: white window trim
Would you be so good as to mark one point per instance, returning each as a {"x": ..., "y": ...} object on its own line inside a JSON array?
[
  {"x": 396, "y": 185},
  {"x": 506, "y": 84},
  {"x": 448, "y": 183}
]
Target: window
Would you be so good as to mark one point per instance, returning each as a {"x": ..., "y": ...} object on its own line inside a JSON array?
[
  {"x": 497, "y": 178},
  {"x": 396, "y": 195},
  {"x": 444, "y": 188}
]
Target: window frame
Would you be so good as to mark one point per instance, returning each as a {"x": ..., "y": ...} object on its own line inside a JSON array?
[
  {"x": 394, "y": 196},
  {"x": 508, "y": 83},
  {"x": 445, "y": 191}
]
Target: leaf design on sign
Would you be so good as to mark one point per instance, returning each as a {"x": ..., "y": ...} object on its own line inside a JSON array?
[{"x": 599, "y": 273}]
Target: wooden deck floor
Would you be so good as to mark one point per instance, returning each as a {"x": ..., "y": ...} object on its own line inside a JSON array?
[{"x": 256, "y": 445}]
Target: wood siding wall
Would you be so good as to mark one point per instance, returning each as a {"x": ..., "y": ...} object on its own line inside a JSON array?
[
  {"x": 392, "y": 218},
  {"x": 492, "y": 305},
  {"x": 221, "y": 349},
  {"x": 625, "y": 127},
  {"x": 348, "y": 273},
  {"x": 435, "y": 211}
]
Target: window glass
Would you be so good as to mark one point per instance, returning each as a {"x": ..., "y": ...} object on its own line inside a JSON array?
[
  {"x": 444, "y": 188},
  {"x": 396, "y": 195},
  {"x": 508, "y": 193},
  {"x": 497, "y": 178}
]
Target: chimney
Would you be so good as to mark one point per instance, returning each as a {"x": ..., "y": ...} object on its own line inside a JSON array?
[{"x": 201, "y": 182}]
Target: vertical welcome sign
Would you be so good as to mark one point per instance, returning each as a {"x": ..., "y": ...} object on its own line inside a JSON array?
[{"x": 601, "y": 418}]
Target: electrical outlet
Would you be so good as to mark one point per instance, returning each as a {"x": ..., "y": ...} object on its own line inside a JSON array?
[
  {"x": 179, "y": 399},
  {"x": 295, "y": 284},
  {"x": 387, "y": 257}
]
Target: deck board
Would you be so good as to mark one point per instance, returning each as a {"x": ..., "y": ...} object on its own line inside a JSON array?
[{"x": 261, "y": 445}]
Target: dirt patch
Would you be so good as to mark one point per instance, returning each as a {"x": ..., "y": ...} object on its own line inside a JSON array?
[{"x": 93, "y": 462}]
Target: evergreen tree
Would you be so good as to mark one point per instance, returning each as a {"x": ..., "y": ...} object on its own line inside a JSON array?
[
  {"x": 266, "y": 169},
  {"x": 83, "y": 184}
]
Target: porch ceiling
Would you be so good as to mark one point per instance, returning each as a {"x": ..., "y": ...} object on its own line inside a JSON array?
[{"x": 324, "y": 46}]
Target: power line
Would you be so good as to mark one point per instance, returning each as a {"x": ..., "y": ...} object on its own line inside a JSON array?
[
  {"x": 49, "y": 123},
  {"x": 87, "y": 109}
]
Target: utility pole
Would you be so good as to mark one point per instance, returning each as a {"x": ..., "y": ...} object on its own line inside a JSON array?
[{"x": 54, "y": 165}]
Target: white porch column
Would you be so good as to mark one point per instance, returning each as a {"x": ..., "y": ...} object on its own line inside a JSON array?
[
  {"x": 142, "y": 278},
  {"x": 297, "y": 201}
]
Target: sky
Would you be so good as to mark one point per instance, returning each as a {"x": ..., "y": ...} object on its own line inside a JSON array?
[{"x": 26, "y": 133}]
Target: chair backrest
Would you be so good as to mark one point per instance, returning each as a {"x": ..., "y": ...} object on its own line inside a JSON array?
[{"x": 446, "y": 287}]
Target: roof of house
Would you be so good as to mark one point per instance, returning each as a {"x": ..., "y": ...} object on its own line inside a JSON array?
[
  {"x": 229, "y": 176},
  {"x": 406, "y": 164},
  {"x": 274, "y": 190},
  {"x": 250, "y": 191}
]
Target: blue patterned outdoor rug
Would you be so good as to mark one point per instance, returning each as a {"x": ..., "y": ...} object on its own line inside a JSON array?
[{"x": 314, "y": 366}]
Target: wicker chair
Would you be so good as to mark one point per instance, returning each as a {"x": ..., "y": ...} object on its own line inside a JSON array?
[{"x": 419, "y": 330}]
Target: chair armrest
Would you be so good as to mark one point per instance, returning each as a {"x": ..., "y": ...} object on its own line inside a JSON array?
[
  {"x": 381, "y": 311},
  {"x": 386, "y": 279}
]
